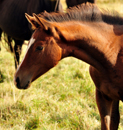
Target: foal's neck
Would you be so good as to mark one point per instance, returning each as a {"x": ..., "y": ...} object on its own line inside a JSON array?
[{"x": 94, "y": 43}]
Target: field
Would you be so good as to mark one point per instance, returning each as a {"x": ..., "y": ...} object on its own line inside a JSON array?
[{"x": 62, "y": 99}]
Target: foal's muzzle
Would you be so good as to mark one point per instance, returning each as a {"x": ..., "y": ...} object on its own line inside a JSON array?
[{"x": 18, "y": 84}]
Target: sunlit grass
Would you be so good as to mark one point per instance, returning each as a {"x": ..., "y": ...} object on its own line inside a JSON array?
[{"x": 60, "y": 99}]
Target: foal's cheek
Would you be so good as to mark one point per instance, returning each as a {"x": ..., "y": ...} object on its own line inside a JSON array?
[{"x": 55, "y": 58}]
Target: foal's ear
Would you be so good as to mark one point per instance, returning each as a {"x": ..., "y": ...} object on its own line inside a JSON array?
[
  {"x": 32, "y": 21},
  {"x": 42, "y": 22}
]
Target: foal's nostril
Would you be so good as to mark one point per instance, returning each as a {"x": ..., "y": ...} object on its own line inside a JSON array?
[
  {"x": 17, "y": 82},
  {"x": 27, "y": 85}
]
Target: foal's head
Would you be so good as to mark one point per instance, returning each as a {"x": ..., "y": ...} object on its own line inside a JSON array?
[
  {"x": 50, "y": 40},
  {"x": 42, "y": 54},
  {"x": 46, "y": 46}
]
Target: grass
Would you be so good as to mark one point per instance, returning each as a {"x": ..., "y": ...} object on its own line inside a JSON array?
[{"x": 62, "y": 99}]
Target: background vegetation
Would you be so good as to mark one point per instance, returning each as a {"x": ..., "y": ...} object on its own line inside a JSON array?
[{"x": 62, "y": 99}]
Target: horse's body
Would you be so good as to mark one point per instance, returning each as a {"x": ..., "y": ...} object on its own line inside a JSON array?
[
  {"x": 71, "y": 3},
  {"x": 88, "y": 34},
  {"x": 14, "y": 23}
]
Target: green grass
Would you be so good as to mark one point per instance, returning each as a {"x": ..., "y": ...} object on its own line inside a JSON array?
[{"x": 62, "y": 99}]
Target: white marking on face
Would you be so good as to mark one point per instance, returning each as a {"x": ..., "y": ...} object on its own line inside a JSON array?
[{"x": 32, "y": 40}]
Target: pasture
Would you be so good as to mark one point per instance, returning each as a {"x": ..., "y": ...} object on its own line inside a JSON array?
[{"x": 62, "y": 99}]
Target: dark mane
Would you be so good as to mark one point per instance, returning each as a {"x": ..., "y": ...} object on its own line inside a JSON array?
[{"x": 84, "y": 12}]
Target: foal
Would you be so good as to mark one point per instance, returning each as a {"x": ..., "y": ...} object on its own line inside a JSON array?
[{"x": 88, "y": 34}]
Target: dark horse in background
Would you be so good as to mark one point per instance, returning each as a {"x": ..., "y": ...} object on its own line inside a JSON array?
[
  {"x": 14, "y": 23},
  {"x": 71, "y": 3}
]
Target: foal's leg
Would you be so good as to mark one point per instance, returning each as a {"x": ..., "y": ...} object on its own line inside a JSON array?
[
  {"x": 17, "y": 52},
  {"x": 104, "y": 105},
  {"x": 115, "y": 116},
  {"x": 103, "y": 102}
]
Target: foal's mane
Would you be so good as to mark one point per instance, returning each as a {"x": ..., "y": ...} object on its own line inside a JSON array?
[{"x": 83, "y": 12}]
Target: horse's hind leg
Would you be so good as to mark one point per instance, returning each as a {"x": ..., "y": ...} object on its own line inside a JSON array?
[
  {"x": 115, "y": 116},
  {"x": 17, "y": 51},
  {"x": 10, "y": 44}
]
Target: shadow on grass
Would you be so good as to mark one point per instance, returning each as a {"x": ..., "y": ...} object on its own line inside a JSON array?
[
  {"x": 2, "y": 77},
  {"x": 33, "y": 123}
]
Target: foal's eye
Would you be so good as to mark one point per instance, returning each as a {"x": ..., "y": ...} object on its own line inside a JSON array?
[{"x": 39, "y": 48}]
